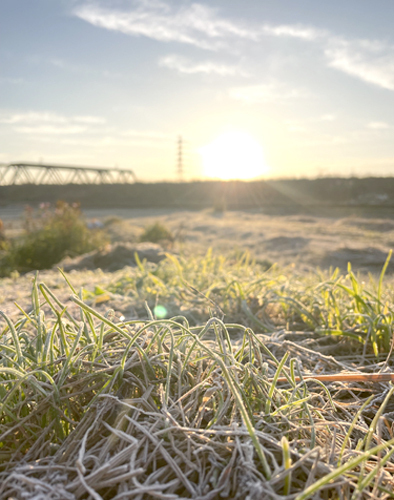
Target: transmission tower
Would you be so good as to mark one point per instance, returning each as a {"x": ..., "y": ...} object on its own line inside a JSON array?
[{"x": 180, "y": 158}]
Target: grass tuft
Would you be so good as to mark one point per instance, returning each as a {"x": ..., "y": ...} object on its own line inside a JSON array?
[
  {"x": 193, "y": 405},
  {"x": 50, "y": 234},
  {"x": 157, "y": 233}
]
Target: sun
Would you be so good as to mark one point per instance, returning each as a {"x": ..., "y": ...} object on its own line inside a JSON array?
[{"x": 233, "y": 155}]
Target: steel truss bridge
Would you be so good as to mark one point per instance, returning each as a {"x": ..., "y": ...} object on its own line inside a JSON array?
[{"x": 38, "y": 173}]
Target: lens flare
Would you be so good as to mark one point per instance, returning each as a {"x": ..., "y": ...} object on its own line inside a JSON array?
[{"x": 160, "y": 312}]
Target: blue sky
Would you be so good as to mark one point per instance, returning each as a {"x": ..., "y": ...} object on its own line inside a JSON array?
[{"x": 114, "y": 82}]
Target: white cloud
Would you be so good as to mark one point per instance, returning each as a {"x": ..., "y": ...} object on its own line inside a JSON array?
[
  {"x": 308, "y": 125},
  {"x": 294, "y": 31},
  {"x": 32, "y": 117},
  {"x": 90, "y": 120},
  {"x": 378, "y": 125},
  {"x": 146, "y": 134},
  {"x": 49, "y": 127},
  {"x": 105, "y": 141},
  {"x": 183, "y": 65},
  {"x": 370, "y": 60},
  {"x": 270, "y": 92},
  {"x": 140, "y": 142},
  {"x": 51, "y": 130},
  {"x": 327, "y": 118},
  {"x": 200, "y": 25},
  {"x": 194, "y": 24},
  {"x": 42, "y": 119},
  {"x": 326, "y": 140}
]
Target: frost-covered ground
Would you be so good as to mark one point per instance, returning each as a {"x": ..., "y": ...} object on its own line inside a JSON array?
[{"x": 303, "y": 241}]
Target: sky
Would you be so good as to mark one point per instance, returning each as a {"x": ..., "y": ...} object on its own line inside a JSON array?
[{"x": 295, "y": 88}]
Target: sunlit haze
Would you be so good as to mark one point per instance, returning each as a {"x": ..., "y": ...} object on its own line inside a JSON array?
[{"x": 307, "y": 85}]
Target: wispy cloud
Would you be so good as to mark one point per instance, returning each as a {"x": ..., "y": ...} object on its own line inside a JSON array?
[
  {"x": 44, "y": 118},
  {"x": 80, "y": 130},
  {"x": 31, "y": 117},
  {"x": 194, "y": 24},
  {"x": 49, "y": 124},
  {"x": 103, "y": 141},
  {"x": 183, "y": 65},
  {"x": 369, "y": 60},
  {"x": 51, "y": 130},
  {"x": 326, "y": 140},
  {"x": 269, "y": 92},
  {"x": 89, "y": 120},
  {"x": 294, "y": 31},
  {"x": 309, "y": 125},
  {"x": 329, "y": 117},
  {"x": 356, "y": 136},
  {"x": 146, "y": 134},
  {"x": 378, "y": 125}
]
